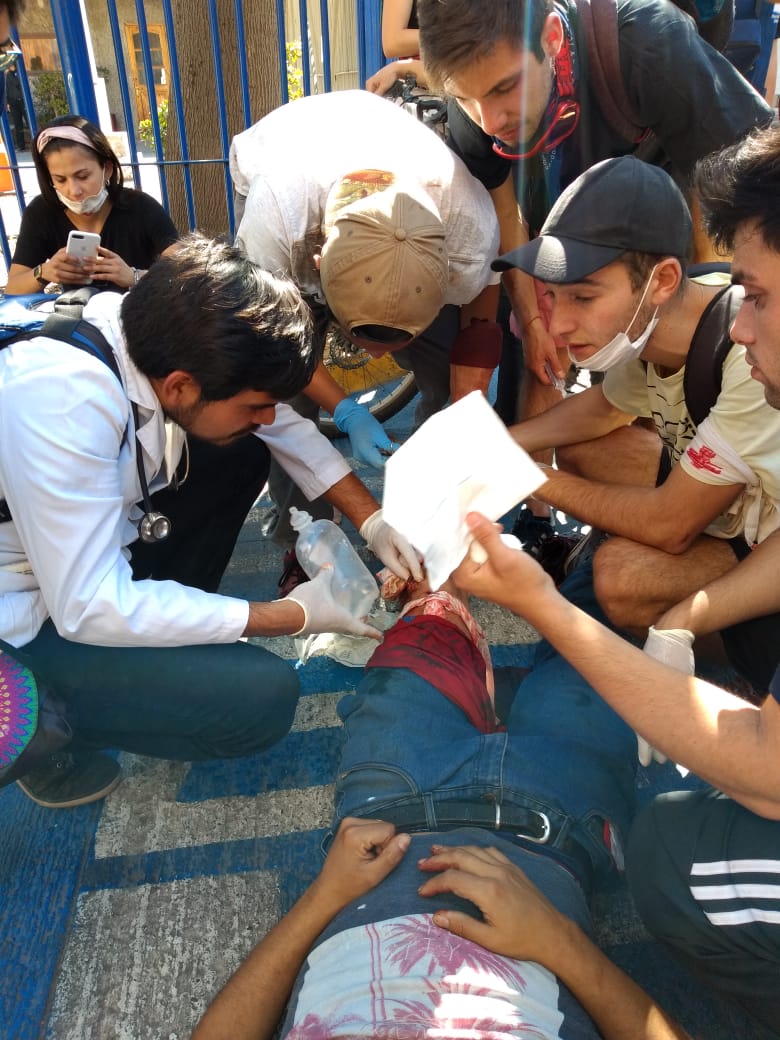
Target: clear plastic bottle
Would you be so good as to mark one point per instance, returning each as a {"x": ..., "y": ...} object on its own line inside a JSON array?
[{"x": 320, "y": 542}]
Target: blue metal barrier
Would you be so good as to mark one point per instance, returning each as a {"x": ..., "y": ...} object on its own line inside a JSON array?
[
  {"x": 75, "y": 57},
  {"x": 180, "y": 126},
  {"x": 77, "y": 65}
]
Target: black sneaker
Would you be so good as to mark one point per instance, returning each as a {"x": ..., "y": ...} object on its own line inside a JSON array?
[
  {"x": 70, "y": 778},
  {"x": 533, "y": 531}
]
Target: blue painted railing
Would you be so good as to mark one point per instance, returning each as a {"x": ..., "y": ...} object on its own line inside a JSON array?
[{"x": 74, "y": 48}]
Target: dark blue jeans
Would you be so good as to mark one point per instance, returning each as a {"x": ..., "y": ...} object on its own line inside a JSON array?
[
  {"x": 190, "y": 702},
  {"x": 564, "y": 753}
]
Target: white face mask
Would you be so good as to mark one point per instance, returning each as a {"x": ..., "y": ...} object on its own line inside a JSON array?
[
  {"x": 620, "y": 348},
  {"x": 91, "y": 204}
]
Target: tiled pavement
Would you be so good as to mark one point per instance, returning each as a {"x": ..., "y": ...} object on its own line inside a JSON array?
[{"x": 120, "y": 920}]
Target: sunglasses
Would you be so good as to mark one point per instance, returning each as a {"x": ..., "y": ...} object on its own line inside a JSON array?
[{"x": 9, "y": 54}]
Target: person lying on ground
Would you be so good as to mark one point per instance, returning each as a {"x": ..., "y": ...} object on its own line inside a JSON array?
[{"x": 454, "y": 894}]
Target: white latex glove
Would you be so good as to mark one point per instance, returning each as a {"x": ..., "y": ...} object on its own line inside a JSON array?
[
  {"x": 322, "y": 613},
  {"x": 673, "y": 647},
  {"x": 391, "y": 547}
]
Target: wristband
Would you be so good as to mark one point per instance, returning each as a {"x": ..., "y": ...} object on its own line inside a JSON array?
[{"x": 478, "y": 345}]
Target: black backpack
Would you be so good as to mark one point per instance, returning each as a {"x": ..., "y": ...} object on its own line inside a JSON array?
[
  {"x": 599, "y": 20},
  {"x": 709, "y": 348}
]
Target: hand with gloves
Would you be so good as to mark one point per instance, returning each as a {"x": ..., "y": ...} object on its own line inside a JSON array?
[
  {"x": 673, "y": 647},
  {"x": 391, "y": 547},
  {"x": 321, "y": 611},
  {"x": 366, "y": 435}
]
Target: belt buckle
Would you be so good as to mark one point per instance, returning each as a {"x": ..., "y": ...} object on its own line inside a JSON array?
[
  {"x": 545, "y": 836},
  {"x": 546, "y": 828}
]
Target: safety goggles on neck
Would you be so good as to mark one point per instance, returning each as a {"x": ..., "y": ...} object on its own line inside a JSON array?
[
  {"x": 9, "y": 54},
  {"x": 561, "y": 115}
]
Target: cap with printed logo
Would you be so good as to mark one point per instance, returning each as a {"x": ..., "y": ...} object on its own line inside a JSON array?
[{"x": 384, "y": 262}]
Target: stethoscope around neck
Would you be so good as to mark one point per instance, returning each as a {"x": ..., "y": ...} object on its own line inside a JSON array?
[{"x": 153, "y": 526}]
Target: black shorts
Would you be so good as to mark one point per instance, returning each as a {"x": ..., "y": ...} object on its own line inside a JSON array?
[{"x": 753, "y": 646}]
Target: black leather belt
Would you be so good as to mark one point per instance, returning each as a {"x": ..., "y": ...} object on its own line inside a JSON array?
[{"x": 528, "y": 825}]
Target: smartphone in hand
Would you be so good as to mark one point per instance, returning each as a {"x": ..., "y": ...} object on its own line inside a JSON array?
[{"x": 83, "y": 245}]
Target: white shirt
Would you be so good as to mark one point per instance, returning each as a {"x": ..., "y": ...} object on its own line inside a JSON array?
[
  {"x": 287, "y": 163},
  {"x": 69, "y": 475}
]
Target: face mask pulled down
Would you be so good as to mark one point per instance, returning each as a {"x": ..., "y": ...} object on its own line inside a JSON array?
[
  {"x": 621, "y": 348},
  {"x": 91, "y": 204}
]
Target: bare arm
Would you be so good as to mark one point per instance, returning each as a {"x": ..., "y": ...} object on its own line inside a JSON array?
[
  {"x": 538, "y": 345},
  {"x": 282, "y": 617},
  {"x": 384, "y": 78},
  {"x": 580, "y": 417},
  {"x": 399, "y": 41},
  {"x": 716, "y": 735},
  {"x": 668, "y": 517},
  {"x": 519, "y": 922},
  {"x": 353, "y": 499},
  {"x": 58, "y": 268},
  {"x": 747, "y": 591},
  {"x": 364, "y": 852},
  {"x": 324, "y": 390},
  {"x": 67, "y": 271}
]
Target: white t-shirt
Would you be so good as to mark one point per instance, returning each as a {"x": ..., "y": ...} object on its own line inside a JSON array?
[
  {"x": 287, "y": 163},
  {"x": 740, "y": 426}
]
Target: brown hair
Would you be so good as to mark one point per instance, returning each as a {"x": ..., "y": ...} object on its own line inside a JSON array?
[{"x": 454, "y": 33}]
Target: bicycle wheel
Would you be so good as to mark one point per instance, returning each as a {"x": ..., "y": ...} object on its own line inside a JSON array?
[{"x": 378, "y": 383}]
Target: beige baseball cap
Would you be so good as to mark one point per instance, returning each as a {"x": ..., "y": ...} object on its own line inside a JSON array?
[{"x": 384, "y": 262}]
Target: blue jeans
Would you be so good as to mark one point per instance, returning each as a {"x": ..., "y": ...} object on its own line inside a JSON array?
[
  {"x": 180, "y": 702},
  {"x": 564, "y": 753},
  {"x": 187, "y": 703}
]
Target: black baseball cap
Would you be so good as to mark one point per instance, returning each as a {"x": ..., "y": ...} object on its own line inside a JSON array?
[{"x": 616, "y": 206}]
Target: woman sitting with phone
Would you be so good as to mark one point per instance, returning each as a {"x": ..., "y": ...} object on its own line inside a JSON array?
[{"x": 82, "y": 190}]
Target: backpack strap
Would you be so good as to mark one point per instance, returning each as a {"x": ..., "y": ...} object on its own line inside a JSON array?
[
  {"x": 717, "y": 29},
  {"x": 70, "y": 329},
  {"x": 73, "y": 301},
  {"x": 709, "y": 348},
  {"x": 79, "y": 333},
  {"x": 599, "y": 20}
]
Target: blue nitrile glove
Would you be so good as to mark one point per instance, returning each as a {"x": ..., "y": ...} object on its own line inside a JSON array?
[{"x": 366, "y": 436}]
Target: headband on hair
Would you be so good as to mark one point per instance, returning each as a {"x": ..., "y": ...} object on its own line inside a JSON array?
[{"x": 66, "y": 133}]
